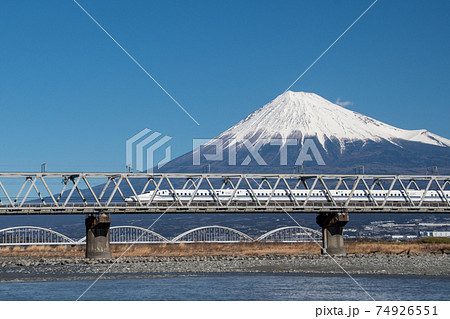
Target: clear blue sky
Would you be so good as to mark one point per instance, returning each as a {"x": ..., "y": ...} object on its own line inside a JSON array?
[{"x": 70, "y": 97}]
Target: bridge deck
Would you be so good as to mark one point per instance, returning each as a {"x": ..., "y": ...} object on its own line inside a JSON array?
[{"x": 212, "y": 208}]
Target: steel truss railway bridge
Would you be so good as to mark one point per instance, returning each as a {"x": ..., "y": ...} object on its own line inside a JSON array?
[
  {"x": 101, "y": 195},
  {"x": 90, "y": 193}
]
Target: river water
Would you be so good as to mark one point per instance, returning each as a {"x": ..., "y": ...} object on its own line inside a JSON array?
[{"x": 236, "y": 287}]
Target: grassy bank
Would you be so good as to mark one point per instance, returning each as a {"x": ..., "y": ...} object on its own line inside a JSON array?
[{"x": 241, "y": 249}]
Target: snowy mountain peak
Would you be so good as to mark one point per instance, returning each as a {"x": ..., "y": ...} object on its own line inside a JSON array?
[{"x": 303, "y": 115}]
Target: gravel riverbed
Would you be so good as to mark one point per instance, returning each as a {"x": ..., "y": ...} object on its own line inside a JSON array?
[{"x": 40, "y": 269}]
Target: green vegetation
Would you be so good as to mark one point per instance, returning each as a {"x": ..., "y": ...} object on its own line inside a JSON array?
[{"x": 434, "y": 240}]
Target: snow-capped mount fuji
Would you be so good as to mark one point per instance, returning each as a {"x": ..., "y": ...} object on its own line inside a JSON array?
[
  {"x": 302, "y": 115},
  {"x": 342, "y": 138}
]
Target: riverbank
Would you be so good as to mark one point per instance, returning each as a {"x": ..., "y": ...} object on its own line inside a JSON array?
[
  {"x": 50, "y": 269},
  {"x": 225, "y": 249},
  {"x": 49, "y": 263}
]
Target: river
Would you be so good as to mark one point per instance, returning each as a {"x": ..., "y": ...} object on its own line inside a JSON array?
[{"x": 236, "y": 287}]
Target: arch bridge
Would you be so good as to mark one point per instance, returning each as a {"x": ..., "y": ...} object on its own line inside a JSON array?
[
  {"x": 212, "y": 234},
  {"x": 292, "y": 234},
  {"x": 31, "y": 235},
  {"x": 132, "y": 234}
]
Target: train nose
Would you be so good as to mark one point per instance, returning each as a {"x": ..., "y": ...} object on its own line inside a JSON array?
[{"x": 130, "y": 199}]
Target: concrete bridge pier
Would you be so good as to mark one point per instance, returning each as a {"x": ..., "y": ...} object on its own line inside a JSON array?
[
  {"x": 332, "y": 232},
  {"x": 97, "y": 236}
]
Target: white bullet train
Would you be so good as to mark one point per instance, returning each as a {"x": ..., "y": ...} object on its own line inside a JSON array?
[{"x": 243, "y": 195}]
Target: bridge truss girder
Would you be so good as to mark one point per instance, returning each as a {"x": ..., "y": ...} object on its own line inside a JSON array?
[{"x": 90, "y": 193}]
